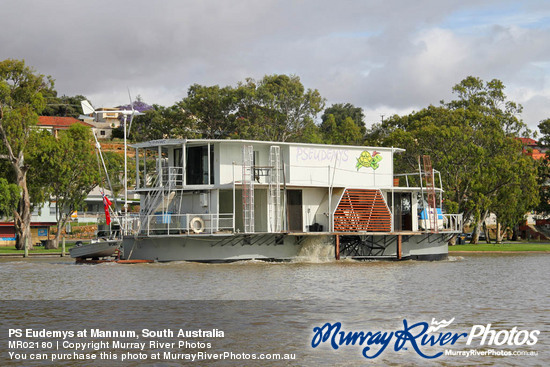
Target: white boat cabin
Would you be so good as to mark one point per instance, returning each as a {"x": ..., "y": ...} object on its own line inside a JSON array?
[{"x": 210, "y": 187}]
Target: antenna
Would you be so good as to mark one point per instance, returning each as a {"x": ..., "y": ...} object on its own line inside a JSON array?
[
  {"x": 88, "y": 109},
  {"x": 133, "y": 112}
]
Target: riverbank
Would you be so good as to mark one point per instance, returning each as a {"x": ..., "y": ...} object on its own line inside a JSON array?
[
  {"x": 502, "y": 247},
  {"x": 37, "y": 251}
]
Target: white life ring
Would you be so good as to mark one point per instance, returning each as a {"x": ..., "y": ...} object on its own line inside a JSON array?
[{"x": 197, "y": 225}]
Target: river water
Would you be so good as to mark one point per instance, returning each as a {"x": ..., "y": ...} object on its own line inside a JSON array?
[{"x": 274, "y": 307}]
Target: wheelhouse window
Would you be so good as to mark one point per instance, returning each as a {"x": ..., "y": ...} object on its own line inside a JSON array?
[{"x": 200, "y": 171}]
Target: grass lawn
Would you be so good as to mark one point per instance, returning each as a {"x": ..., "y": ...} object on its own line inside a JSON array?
[
  {"x": 502, "y": 247},
  {"x": 36, "y": 249}
]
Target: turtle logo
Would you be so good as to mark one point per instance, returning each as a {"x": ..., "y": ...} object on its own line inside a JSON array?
[{"x": 368, "y": 160}]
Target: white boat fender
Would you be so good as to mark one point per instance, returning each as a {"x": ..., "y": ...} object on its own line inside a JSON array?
[{"x": 197, "y": 225}]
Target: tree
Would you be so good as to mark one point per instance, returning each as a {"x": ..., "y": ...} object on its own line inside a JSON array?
[
  {"x": 519, "y": 196},
  {"x": 347, "y": 133},
  {"x": 211, "y": 109},
  {"x": 343, "y": 124},
  {"x": 472, "y": 143},
  {"x": 21, "y": 100},
  {"x": 64, "y": 106},
  {"x": 286, "y": 107},
  {"x": 162, "y": 122},
  {"x": 71, "y": 162},
  {"x": 9, "y": 197},
  {"x": 276, "y": 108},
  {"x": 543, "y": 176}
]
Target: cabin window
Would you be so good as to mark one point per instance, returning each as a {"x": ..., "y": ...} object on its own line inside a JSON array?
[{"x": 198, "y": 165}]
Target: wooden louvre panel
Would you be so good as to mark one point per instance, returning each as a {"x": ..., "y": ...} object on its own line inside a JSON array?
[{"x": 362, "y": 211}]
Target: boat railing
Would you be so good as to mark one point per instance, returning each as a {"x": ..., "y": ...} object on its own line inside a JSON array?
[
  {"x": 164, "y": 176},
  {"x": 414, "y": 179},
  {"x": 162, "y": 224},
  {"x": 171, "y": 176},
  {"x": 452, "y": 223},
  {"x": 449, "y": 223},
  {"x": 129, "y": 223}
]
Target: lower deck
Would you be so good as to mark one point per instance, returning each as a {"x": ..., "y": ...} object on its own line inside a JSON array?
[{"x": 287, "y": 246}]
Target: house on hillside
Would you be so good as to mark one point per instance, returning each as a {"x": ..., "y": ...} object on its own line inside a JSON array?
[
  {"x": 533, "y": 148},
  {"x": 104, "y": 122},
  {"x": 56, "y": 123}
]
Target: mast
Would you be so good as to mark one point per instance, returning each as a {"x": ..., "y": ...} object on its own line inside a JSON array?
[{"x": 125, "y": 176}]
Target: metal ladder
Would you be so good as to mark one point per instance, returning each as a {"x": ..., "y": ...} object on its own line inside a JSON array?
[
  {"x": 274, "y": 199},
  {"x": 248, "y": 188},
  {"x": 430, "y": 188}
]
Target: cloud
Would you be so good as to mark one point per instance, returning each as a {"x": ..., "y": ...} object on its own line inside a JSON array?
[{"x": 393, "y": 56}]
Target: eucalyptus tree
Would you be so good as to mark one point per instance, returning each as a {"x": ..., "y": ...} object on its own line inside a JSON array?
[
  {"x": 544, "y": 169},
  {"x": 472, "y": 142},
  {"x": 64, "y": 106},
  {"x": 21, "y": 100},
  {"x": 343, "y": 124},
  {"x": 73, "y": 172},
  {"x": 286, "y": 107},
  {"x": 9, "y": 197},
  {"x": 209, "y": 111},
  {"x": 275, "y": 108},
  {"x": 162, "y": 122}
]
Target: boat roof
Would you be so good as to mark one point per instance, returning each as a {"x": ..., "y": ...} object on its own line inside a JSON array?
[{"x": 177, "y": 142}]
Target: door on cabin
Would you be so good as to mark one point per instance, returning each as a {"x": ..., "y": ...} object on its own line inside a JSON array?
[
  {"x": 402, "y": 212},
  {"x": 294, "y": 211}
]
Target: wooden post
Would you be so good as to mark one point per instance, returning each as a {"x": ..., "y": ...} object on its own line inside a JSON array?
[
  {"x": 26, "y": 247},
  {"x": 63, "y": 247},
  {"x": 398, "y": 247},
  {"x": 337, "y": 248}
]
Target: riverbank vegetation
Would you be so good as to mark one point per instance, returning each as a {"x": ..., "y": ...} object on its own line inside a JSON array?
[
  {"x": 498, "y": 247},
  {"x": 472, "y": 140}
]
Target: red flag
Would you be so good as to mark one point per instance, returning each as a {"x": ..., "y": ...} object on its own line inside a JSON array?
[{"x": 106, "y": 204}]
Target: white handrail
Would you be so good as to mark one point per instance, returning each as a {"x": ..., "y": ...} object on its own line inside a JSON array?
[{"x": 188, "y": 224}]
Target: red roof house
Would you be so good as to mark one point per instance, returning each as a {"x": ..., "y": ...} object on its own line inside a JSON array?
[
  {"x": 531, "y": 147},
  {"x": 56, "y": 123}
]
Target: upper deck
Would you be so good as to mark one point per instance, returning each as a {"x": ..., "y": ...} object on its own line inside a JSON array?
[{"x": 198, "y": 163}]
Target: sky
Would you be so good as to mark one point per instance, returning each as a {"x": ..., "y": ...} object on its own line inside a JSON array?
[{"x": 386, "y": 56}]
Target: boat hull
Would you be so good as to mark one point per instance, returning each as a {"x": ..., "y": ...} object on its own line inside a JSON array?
[
  {"x": 211, "y": 248},
  {"x": 95, "y": 250},
  {"x": 224, "y": 248}
]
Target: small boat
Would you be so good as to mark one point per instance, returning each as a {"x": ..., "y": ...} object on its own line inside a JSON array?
[{"x": 99, "y": 248}]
